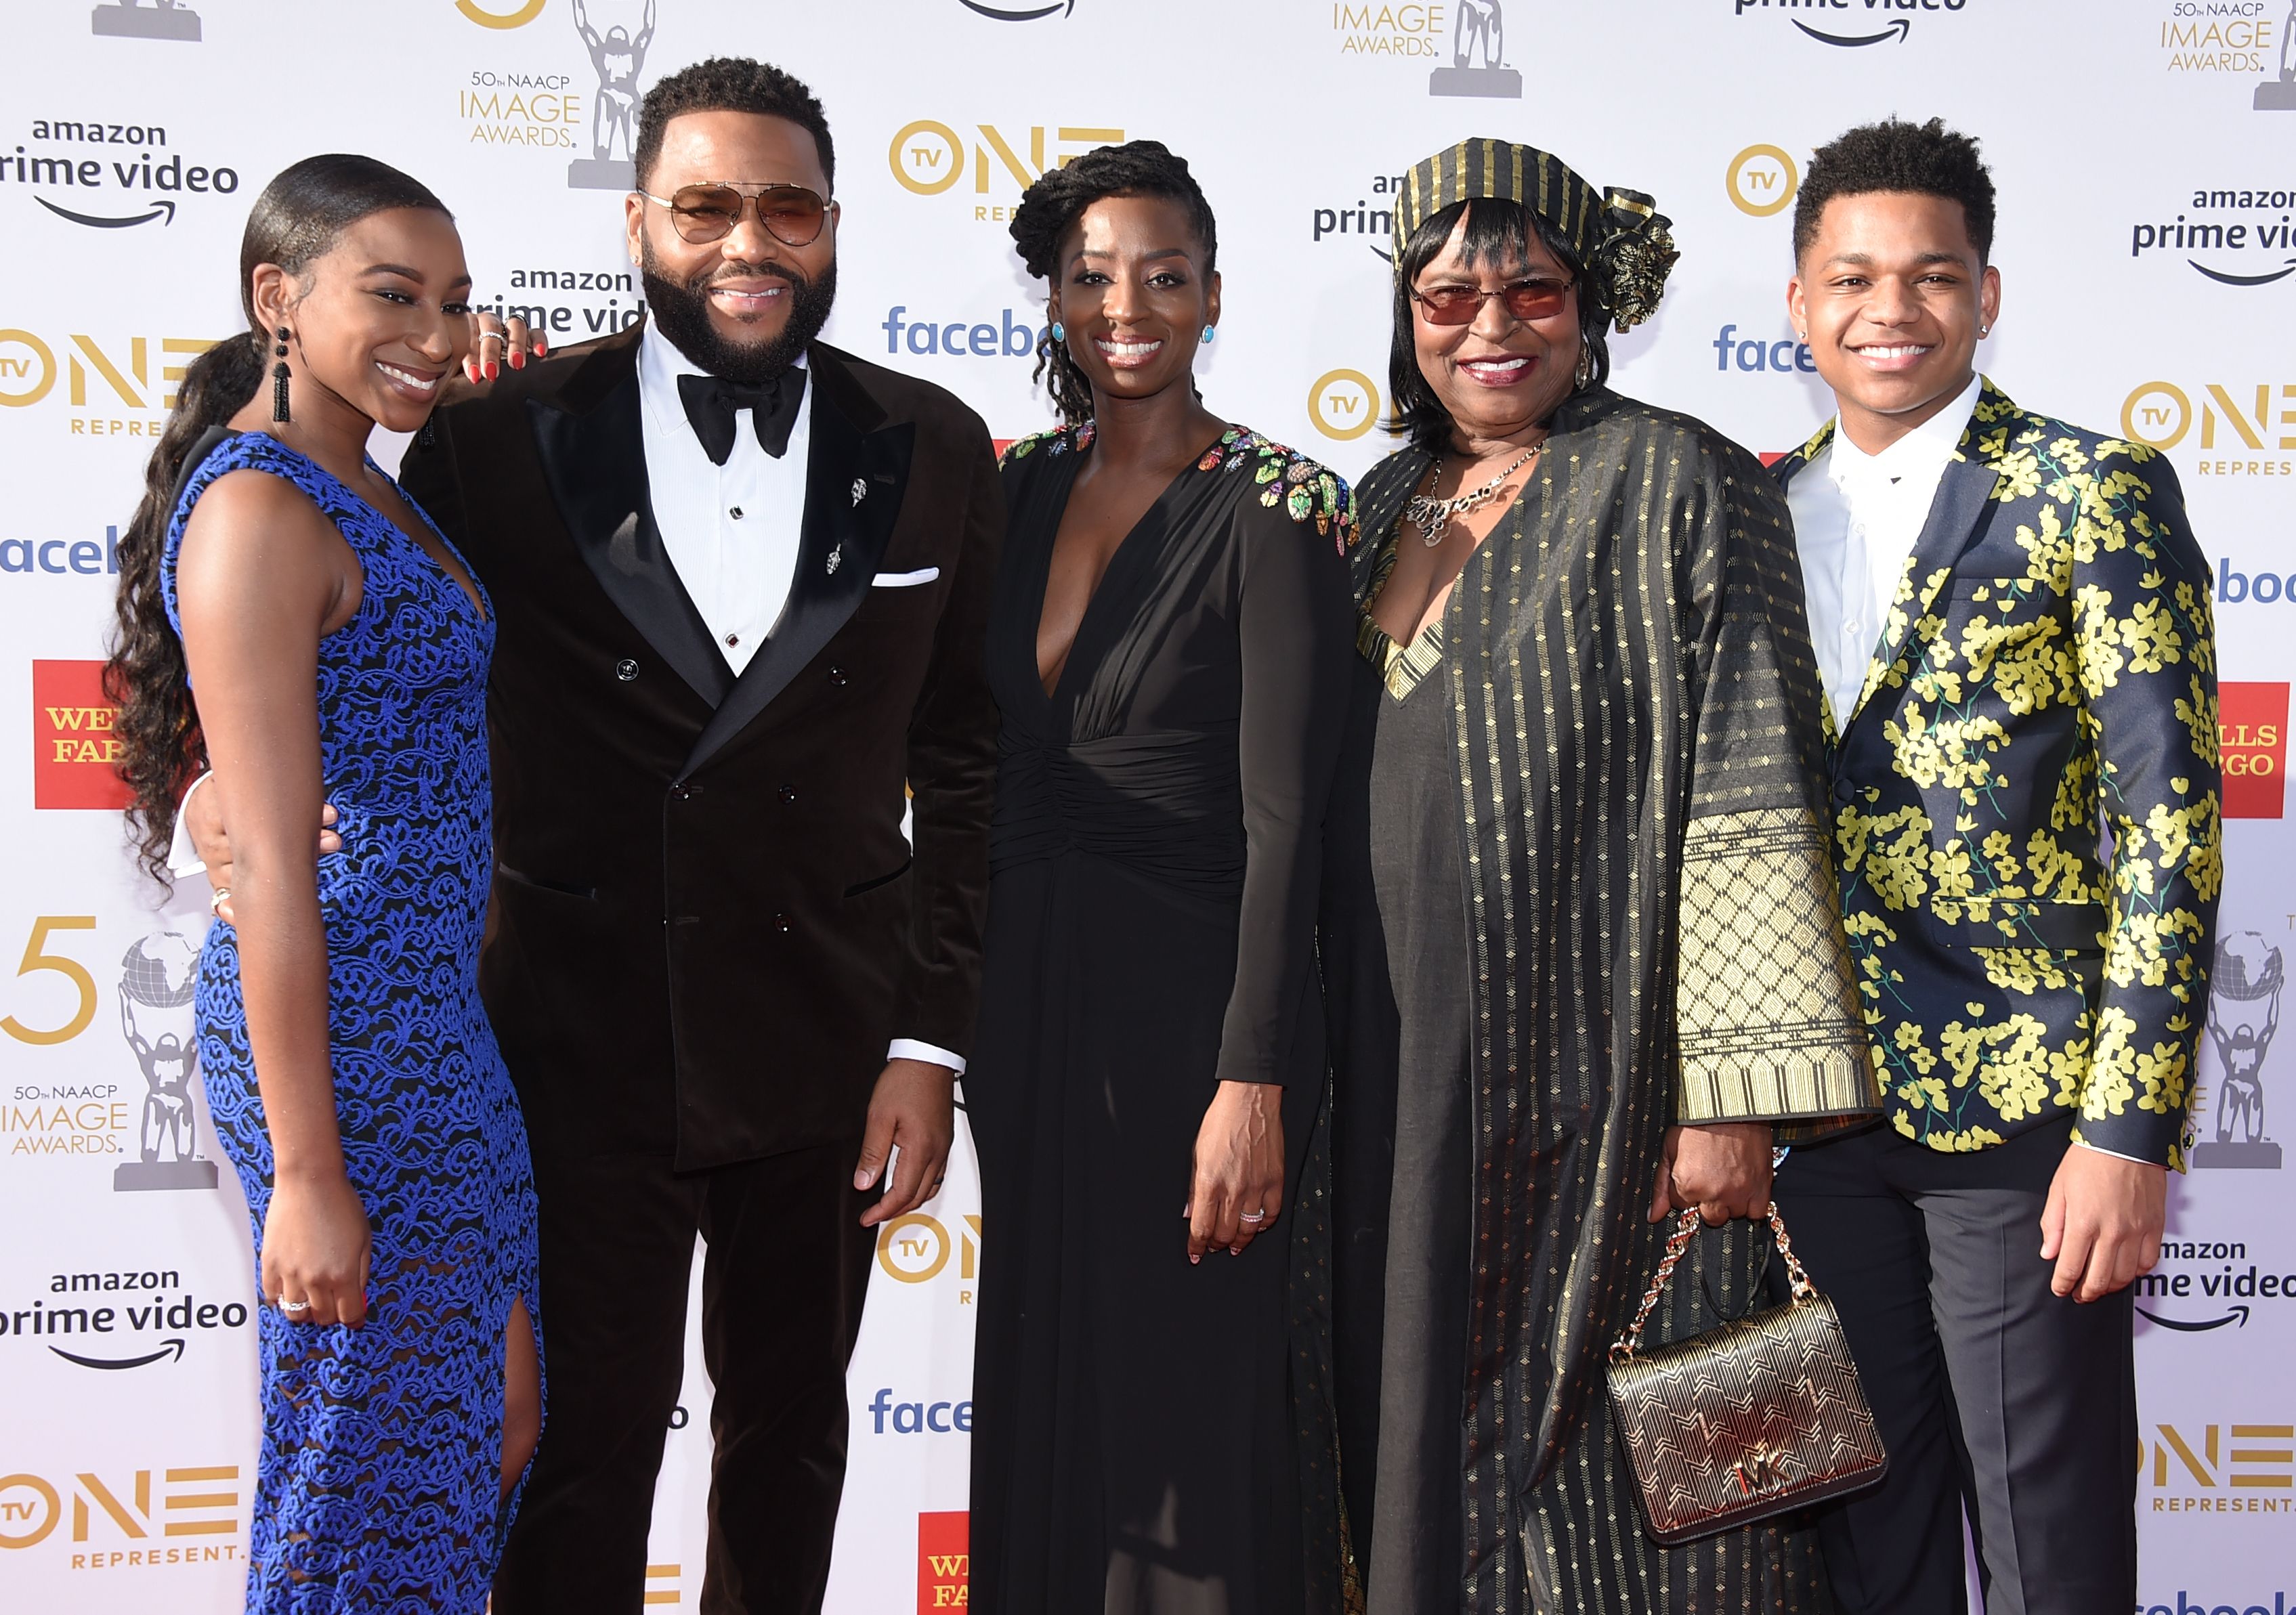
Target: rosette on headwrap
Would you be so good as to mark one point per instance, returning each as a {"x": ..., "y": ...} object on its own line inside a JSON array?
[{"x": 1620, "y": 237}]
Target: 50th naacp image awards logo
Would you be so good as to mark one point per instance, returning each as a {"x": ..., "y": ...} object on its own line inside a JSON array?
[
  {"x": 1477, "y": 56},
  {"x": 145, "y": 19},
  {"x": 157, "y": 979},
  {"x": 2279, "y": 94},
  {"x": 617, "y": 55},
  {"x": 2243, "y": 1015}
]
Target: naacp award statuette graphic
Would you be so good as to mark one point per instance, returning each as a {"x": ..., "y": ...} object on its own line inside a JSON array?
[
  {"x": 2243, "y": 1012},
  {"x": 617, "y": 57},
  {"x": 156, "y": 982},
  {"x": 2279, "y": 94},
  {"x": 1480, "y": 31},
  {"x": 151, "y": 19}
]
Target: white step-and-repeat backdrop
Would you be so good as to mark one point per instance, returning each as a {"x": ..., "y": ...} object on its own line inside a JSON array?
[{"x": 2145, "y": 152}]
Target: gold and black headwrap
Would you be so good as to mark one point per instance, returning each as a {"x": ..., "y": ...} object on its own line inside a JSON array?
[{"x": 1621, "y": 238}]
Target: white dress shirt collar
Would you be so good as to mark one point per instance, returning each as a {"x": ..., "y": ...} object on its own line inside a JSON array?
[{"x": 1914, "y": 461}]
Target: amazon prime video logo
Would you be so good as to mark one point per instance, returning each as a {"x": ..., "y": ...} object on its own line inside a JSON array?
[
  {"x": 145, "y": 19},
  {"x": 110, "y": 175},
  {"x": 2243, "y": 1015},
  {"x": 1828, "y": 27},
  {"x": 116, "y": 1318},
  {"x": 157, "y": 980}
]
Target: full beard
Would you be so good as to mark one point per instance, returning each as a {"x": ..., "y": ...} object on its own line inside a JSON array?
[{"x": 681, "y": 309}]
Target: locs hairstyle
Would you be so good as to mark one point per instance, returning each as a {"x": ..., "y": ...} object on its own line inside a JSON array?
[
  {"x": 1497, "y": 230},
  {"x": 1921, "y": 159},
  {"x": 1050, "y": 208},
  {"x": 730, "y": 84},
  {"x": 298, "y": 219}
]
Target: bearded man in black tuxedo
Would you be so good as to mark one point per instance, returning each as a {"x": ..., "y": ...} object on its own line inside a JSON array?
[{"x": 741, "y": 579}]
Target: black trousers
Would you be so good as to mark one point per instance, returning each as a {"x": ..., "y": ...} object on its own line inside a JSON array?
[
  {"x": 1993, "y": 1395},
  {"x": 783, "y": 1279}
]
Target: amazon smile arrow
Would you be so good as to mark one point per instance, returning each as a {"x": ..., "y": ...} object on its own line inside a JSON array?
[{"x": 160, "y": 207}]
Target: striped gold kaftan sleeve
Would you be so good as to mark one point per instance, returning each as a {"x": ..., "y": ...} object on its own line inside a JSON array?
[{"x": 1766, "y": 1015}]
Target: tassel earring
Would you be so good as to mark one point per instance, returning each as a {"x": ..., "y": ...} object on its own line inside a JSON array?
[{"x": 279, "y": 378}]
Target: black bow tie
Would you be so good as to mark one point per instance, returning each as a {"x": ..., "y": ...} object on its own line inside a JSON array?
[{"x": 712, "y": 401}]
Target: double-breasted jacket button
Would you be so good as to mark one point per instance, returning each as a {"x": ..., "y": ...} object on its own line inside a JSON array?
[
  {"x": 784, "y": 922},
  {"x": 625, "y": 670},
  {"x": 837, "y": 676},
  {"x": 787, "y": 793}
]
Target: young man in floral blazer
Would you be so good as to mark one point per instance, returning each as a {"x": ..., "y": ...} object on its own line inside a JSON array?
[{"x": 2012, "y": 624}]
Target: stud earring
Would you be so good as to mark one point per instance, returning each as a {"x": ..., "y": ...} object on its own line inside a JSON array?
[
  {"x": 279, "y": 378},
  {"x": 1985, "y": 331},
  {"x": 1060, "y": 334},
  {"x": 1210, "y": 331}
]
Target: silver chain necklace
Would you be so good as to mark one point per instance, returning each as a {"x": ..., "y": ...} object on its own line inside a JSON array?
[{"x": 1433, "y": 516}]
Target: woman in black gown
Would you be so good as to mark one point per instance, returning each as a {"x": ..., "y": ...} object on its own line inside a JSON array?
[{"x": 1170, "y": 647}]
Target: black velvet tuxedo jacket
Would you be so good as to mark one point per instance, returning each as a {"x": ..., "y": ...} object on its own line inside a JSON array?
[{"x": 707, "y": 924}]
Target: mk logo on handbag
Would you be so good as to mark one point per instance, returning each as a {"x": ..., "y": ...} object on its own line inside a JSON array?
[{"x": 1760, "y": 1470}]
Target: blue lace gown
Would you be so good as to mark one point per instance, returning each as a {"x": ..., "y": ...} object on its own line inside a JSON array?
[{"x": 378, "y": 1482}]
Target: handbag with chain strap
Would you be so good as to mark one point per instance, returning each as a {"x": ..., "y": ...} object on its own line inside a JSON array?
[{"x": 1762, "y": 1415}]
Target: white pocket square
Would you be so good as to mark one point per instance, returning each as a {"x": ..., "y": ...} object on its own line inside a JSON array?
[{"x": 904, "y": 580}]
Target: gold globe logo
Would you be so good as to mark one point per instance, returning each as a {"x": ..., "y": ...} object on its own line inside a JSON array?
[
  {"x": 1762, "y": 181},
  {"x": 484, "y": 17},
  {"x": 1344, "y": 404}
]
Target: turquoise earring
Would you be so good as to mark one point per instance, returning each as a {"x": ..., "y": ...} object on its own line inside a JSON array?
[
  {"x": 1210, "y": 331},
  {"x": 1059, "y": 335}
]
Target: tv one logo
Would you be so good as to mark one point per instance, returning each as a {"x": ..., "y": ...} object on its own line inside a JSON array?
[
  {"x": 2219, "y": 1469},
  {"x": 917, "y": 1250},
  {"x": 1344, "y": 404},
  {"x": 1762, "y": 181},
  {"x": 99, "y": 377},
  {"x": 2252, "y": 738},
  {"x": 930, "y": 158},
  {"x": 2232, "y": 416},
  {"x": 115, "y": 1521}
]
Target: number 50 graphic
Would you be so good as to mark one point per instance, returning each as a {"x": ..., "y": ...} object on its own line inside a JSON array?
[{"x": 37, "y": 958}]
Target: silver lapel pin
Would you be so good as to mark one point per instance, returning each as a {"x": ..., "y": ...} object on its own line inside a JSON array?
[
  {"x": 860, "y": 490},
  {"x": 836, "y": 558}
]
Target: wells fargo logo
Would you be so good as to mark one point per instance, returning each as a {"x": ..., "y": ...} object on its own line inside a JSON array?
[
  {"x": 111, "y": 1519},
  {"x": 75, "y": 754},
  {"x": 99, "y": 377},
  {"x": 2252, "y": 736},
  {"x": 928, "y": 158},
  {"x": 2221, "y": 1468},
  {"x": 2232, "y": 416},
  {"x": 944, "y": 1561},
  {"x": 1344, "y": 404},
  {"x": 917, "y": 1249},
  {"x": 1762, "y": 180}
]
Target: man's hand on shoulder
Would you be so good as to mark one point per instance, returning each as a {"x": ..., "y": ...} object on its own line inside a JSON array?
[
  {"x": 914, "y": 1110},
  {"x": 2103, "y": 1223}
]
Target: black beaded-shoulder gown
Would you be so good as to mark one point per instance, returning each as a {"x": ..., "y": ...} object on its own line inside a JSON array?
[{"x": 1154, "y": 858}]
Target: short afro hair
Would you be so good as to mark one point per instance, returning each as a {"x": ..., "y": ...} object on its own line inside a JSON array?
[
  {"x": 1922, "y": 159},
  {"x": 729, "y": 83}
]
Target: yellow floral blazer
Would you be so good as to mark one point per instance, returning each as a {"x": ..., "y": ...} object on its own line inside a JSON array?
[{"x": 2026, "y": 798}]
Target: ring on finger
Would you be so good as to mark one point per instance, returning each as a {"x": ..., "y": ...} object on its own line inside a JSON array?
[
  {"x": 217, "y": 899},
  {"x": 1253, "y": 1216},
  {"x": 293, "y": 1308},
  {"x": 499, "y": 336}
]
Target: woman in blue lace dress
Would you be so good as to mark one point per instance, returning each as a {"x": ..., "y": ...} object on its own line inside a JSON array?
[{"x": 338, "y": 647}]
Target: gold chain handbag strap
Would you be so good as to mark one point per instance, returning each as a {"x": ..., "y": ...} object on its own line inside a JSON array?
[{"x": 1685, "y": 1229}]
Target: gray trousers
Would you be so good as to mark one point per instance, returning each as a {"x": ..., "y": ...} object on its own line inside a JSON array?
[{"x": 1993, "y": 1397}]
